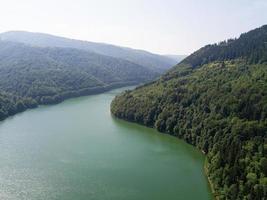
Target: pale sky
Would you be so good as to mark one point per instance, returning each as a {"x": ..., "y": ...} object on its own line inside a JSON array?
[{"x": 160, "y": 26}]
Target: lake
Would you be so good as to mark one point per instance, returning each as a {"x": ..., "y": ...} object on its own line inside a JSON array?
[{"x": 77, "y": 151}]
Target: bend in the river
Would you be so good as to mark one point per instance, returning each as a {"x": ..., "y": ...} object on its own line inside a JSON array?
[{"x": 77, "y": 150}]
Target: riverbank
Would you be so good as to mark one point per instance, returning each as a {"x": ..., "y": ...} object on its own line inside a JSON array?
[
  {"x": 210, "y": 182},
  {"x": 52, "y": 100}
]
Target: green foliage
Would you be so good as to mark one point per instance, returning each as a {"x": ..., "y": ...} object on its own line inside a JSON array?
[
  {"x": 33, "y": 75},
  {"x": 251, "y": 46},
  {"x": 10, "y": 104},
  {"x": 220, "y": 107},
  {"x": 154, "y": 62}
]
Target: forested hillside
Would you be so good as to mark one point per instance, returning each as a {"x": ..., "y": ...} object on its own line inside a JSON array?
[
  {"x": 157, "y": 63},
  {"x": 215, "y": 99},
  {"x": 34, "y": 75},
  {"x": 250, "y": 46}
]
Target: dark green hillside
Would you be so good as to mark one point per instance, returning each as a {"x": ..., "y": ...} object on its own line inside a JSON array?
[
  {"x": 251, "y": 46},
  {"x": 157, "y": 63},
  {"x": 11, "y": 104},
  {"x": 219, "y": 105},
  {"x": 50, "y": 75}
]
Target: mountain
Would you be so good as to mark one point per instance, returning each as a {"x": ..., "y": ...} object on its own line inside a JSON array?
[
  {"x": 41, "y": 75},
  {"x": 152, "y": 61},
  {"x": 216, "y": 100}
]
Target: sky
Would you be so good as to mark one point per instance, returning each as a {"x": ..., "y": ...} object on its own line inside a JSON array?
[{"x": 159, "y": 26}]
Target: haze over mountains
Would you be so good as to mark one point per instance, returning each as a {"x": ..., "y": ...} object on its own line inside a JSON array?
[
  {"x": 30, "y": 67},
  {"x": 38, "y": 68},
  {"x": 177, "y": 58},
  {"x": 157, "y": 63}
]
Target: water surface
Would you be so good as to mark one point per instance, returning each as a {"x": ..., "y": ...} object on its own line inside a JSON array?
[{"x": 77, "y": 151}]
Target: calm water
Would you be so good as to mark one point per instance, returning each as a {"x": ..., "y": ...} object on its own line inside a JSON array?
[{"x": 77, "y": 151}]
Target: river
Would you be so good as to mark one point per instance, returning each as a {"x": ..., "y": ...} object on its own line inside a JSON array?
[{"x": 77, "y": 151}]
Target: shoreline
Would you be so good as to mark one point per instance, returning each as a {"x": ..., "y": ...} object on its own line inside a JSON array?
[
  {"x": 67, "y": 95},
  {"x": 207, "y": 176},
  {"x": 210, "y": 182}
]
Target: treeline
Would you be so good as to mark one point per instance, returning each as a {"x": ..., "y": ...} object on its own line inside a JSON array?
[
  {"x": 11, "y": 104},
  {"x": 221, "y": 108},
  {"x": 43, "y": 100}
]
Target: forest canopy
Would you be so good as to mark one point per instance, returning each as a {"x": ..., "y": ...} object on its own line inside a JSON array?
[{"x": 30, "y": 76}]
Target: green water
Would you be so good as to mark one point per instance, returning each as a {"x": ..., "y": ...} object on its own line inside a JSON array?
[{"x": 77, "y": 151}]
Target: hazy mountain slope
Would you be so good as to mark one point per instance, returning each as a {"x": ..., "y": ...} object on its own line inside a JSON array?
[
  {"x": 49, "y": 75},
  {"x": 215, "y": 99},
  {"x": 152, "y": 61}
]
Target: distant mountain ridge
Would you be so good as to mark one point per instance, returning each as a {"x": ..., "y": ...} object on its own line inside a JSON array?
[
  {"x": 31, "y": 75},
  {"x": 101, "y": 70},
  {"x": 38, "y": 68},
  {"x": 152, "y": 61}
]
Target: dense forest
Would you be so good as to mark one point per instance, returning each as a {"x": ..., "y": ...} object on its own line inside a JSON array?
[
  {"x": 251, "y": 46},
  {"x": 216, "y": 100},
  {"x": 155, "y": 62},
  {"x": 36, "y": 75}
]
